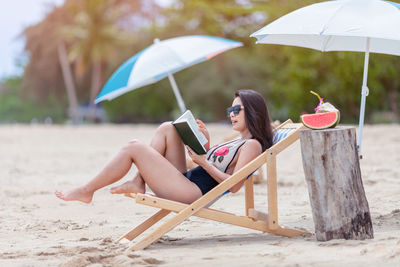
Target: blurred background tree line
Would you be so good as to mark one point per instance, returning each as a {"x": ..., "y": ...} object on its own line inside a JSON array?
[{"x": 77, "y": 46}]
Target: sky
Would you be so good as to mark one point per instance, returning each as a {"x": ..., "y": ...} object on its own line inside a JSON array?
[{"x": 15, "y": 15}]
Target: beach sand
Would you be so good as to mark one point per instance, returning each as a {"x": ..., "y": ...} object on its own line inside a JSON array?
[{"x": 37, "y": 229}]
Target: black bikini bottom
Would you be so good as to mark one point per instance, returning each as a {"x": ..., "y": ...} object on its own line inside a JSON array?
[{"x": 201, "y": 178}]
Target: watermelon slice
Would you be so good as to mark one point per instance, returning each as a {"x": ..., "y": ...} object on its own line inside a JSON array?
[{"x": 320, "y": 121}]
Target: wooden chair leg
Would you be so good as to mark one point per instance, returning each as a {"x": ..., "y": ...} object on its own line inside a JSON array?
[
  {"x": 144, "y": 225},
  {"x": 249, "y": 194},
  {"x": 209, "y": 197},
  {"x": 163, "y": 229},
  {"x": 211, "y": 214},
  {"x": 272, "y": 192},
  {"x": 288, "y": 232},
  {"x": 199, "y": 204}
]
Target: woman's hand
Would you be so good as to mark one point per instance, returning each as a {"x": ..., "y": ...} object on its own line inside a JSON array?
[
  {"x": 203, "y": 129},
  {"x": 200, "y": 160}
]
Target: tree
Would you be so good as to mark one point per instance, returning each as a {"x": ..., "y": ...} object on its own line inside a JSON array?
[
  {"x": 41, "y": 75},
  {"x": 283, "y": 74},
  {"x": 69, "y": 82},
  {"x": 95, "y": 36},
  {"x": 92, "y": 31}
]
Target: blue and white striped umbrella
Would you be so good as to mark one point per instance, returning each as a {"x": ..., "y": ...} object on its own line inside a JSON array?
[
  {"x": 345, "y": 25},
  {"x": 162, "y": 59}
]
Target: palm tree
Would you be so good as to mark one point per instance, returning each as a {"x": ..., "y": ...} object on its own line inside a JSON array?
[
  {"x": 86, "y": 35},
  {"x": 45, "y": 46},
  {"x": 69, "y": 82},
  {"x": 96, "y": 36}
]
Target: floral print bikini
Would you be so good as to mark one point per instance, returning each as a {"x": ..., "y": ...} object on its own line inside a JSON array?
[{"x": 222, "y": 155}]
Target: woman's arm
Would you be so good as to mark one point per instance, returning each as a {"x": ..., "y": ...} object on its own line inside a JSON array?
[{"x": 249, "y": 151}]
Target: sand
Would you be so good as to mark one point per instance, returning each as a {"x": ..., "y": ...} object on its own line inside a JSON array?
[{"x": 37, "y": 229}]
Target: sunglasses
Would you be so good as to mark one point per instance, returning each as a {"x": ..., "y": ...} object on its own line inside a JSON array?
[{"x": 236, "y": 109}]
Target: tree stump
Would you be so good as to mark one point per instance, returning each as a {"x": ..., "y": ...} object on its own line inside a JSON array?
[{"x": 332, "y": 170}]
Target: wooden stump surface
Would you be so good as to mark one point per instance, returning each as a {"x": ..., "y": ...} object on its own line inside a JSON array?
[{"x": 332, "y": 170}]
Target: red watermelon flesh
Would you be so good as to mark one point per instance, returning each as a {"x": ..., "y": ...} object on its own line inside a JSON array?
[{"x": 320, "y": 121}]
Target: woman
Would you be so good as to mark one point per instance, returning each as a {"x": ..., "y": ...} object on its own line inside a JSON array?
[{"x": 162, "y": 165}]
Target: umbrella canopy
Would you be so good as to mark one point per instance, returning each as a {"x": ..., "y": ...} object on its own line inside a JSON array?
[
  {"x": 346, "y": 25},
  {"x": 162, "y": 59}
]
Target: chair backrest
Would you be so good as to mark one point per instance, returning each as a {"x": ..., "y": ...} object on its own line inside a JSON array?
[{"x": 280, "y": 134}]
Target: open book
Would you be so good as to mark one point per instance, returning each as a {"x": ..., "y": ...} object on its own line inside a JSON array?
[{"x": 188, "y": 130}]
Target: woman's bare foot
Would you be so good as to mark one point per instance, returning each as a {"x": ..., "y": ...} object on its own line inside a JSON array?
[
  {"x": 136, "y": 185},
  {"x": 76, "y": 194}
]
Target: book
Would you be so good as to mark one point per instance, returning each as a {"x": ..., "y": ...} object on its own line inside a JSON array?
[{"x": 188, "y": 130}]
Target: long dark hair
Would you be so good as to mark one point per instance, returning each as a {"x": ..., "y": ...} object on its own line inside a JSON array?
[{"x": 256, "y": 116}]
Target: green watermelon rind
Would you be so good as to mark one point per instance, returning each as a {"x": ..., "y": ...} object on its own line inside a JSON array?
[{"x": 332, "y": 125}]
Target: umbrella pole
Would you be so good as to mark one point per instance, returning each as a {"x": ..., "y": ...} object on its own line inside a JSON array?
[
  {"x": 364, "y": 94},
  {"x": 177, "y": 93}
]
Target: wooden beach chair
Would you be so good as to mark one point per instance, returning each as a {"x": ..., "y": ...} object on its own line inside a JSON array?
[{"x": 284, "y": 135}]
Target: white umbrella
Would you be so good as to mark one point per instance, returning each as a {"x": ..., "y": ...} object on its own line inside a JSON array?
[
  {"x": 162, "y": 59},
  {"x": 347, "y": 25}
]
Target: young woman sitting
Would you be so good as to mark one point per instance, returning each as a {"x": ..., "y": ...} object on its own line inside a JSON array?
[{"x": 162, "y": 164}]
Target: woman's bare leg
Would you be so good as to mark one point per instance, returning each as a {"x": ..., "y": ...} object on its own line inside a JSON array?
[
  {"x": 168, "y": 143},
  {"x": 165, "y": 180},
  {"x": 117, "y": 168}
]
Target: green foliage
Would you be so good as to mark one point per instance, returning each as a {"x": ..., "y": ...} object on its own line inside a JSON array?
[
  {"x": 94, "y": 32},
  {"x": 283, "y": 75},
  {"x": 16, "y": 106},
  {"x": 148, "y": 104}
]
